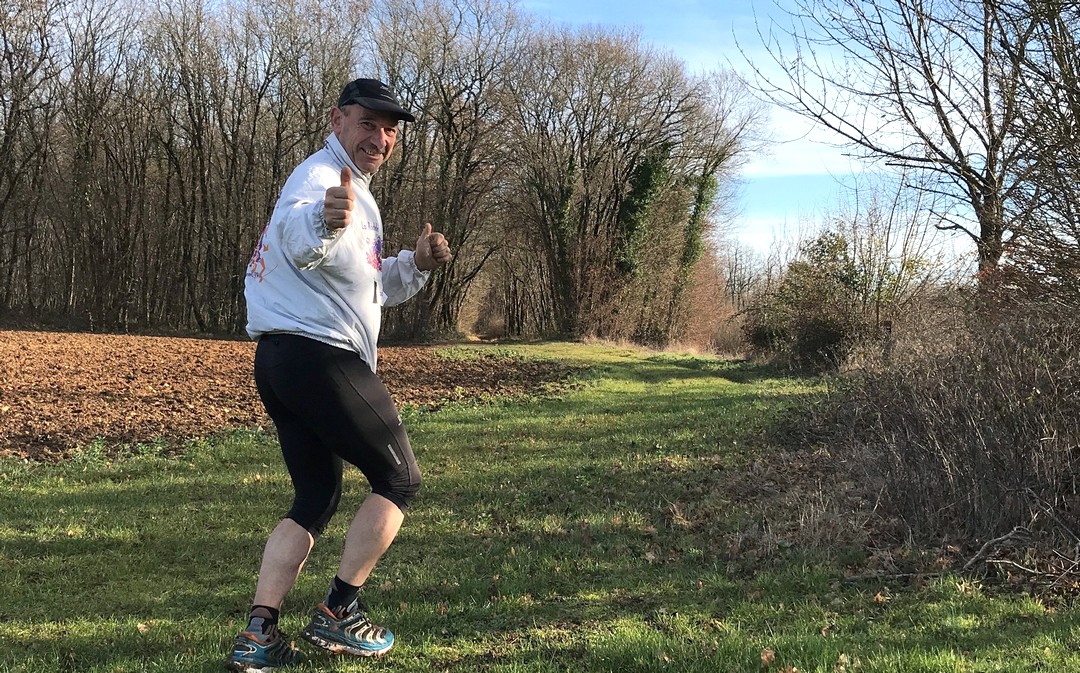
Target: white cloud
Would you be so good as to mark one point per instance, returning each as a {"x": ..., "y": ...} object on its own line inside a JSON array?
[
  {"x": 778, "y": 234},
  {"x": 799, "y": 147}
]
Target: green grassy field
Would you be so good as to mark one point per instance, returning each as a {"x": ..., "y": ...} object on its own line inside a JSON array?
[{"x": 636, "y": 521}]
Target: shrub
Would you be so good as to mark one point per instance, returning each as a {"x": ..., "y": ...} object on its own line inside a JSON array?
[
  {"x": 810, "y": 321},
  {"x": 974, "y": 441}
]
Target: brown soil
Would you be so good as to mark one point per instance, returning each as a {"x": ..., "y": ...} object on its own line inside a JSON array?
[{"x": 59, "y": 390}]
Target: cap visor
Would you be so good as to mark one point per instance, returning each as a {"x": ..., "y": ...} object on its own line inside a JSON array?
[{"x": 383, "y": 106}]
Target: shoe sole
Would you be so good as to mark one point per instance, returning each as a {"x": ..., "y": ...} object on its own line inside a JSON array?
[
  {"x": 339, "y": 648},
  {"x": 241, "y": 667}
]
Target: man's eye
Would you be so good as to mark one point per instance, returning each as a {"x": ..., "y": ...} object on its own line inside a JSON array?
[{"x": 367, "y": 126}]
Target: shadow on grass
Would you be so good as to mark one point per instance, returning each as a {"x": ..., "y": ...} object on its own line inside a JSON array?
[
  {"x": 666, "y": 368},
  {"x": 739, "y": 371}
]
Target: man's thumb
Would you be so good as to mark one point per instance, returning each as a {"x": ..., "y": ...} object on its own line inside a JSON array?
[
  {"x": 346, "y": 177},
  {"x": 427, "y": 231}
]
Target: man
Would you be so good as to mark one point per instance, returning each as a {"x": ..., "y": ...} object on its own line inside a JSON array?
[{"x": 315, "y": 288}]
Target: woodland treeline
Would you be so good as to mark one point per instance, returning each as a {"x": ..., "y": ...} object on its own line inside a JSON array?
[{"x": 142, "y": 148}]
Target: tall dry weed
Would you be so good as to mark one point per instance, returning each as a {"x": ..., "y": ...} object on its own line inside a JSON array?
[{"x": 972, "y": 432}]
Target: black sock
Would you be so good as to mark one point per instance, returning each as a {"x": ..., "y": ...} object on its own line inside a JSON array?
[
  {"x": 263, "y": 620},
  {"x": 341, "y": 595}
]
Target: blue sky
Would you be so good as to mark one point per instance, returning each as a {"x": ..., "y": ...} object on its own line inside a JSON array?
[{"x": 797, "y": 180}]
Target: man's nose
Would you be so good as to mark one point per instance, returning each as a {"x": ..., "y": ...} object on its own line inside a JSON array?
[{"x": 382, "y": 138}]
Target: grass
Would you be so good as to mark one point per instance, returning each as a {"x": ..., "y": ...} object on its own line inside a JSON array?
[{"x": 635, "y": 522}]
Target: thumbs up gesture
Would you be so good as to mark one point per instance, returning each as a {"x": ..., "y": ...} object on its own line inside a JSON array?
[
  {"x": 432, "y": 250},
  {"x": 338, "y": 202}
]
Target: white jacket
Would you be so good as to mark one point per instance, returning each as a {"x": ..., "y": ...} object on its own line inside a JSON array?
[{"x": 306, "y": 279}]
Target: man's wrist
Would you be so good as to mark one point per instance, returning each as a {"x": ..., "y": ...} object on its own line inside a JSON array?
[
  {"x": 320, "y": 220},
  {"x": 416, "y": 263}
]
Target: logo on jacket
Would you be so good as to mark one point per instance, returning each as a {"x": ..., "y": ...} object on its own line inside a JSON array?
[
  {"x": 375, "y": 254},
  {"x": 257, "y": 264}
]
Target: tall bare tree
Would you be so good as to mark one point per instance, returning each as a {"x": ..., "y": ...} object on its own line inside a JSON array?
[
  {"x": 450, "y": 60},
  {"x": 1043, "y": 39},
  {"x": 30, "y": 69},
  {"x": 729, "y": 126},
  {"x": 597, "y": 117},
  {"x": 619, "y": 156},
  {"x": 919, "y": 84},
  {"x": 97, "y": 209}
]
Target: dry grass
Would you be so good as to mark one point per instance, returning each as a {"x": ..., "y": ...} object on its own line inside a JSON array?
[{"x": 969, "y": 437}]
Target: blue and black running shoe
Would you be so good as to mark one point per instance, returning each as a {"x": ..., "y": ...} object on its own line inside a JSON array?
[
  {"x": 348, "y": 633},
  {"x": 255, "y": 653}
]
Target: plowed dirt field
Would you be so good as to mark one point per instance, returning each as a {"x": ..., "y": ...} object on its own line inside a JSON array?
[{"x": 60, "y": 390}]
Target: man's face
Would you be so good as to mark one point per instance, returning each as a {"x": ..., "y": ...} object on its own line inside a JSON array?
[{"x": 368, "y": 136}]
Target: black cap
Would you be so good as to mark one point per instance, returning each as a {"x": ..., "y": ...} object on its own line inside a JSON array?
[{"x": 373, "y": 95}]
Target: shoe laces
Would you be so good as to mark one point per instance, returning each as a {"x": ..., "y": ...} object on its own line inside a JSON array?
[{"x": 355, "y": 620}]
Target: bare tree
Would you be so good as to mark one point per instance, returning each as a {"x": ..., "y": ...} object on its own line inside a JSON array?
[
  {"x": 29, "y": 70},
  {"x": 449, "y": 60},
  {"x": 1043, "y": 41},
  {"x": 620, "y": 157},
  {"x": 597, "y": 118},
  {"x": 742, "y": 269},
  {"x": 728, "y": 128},
  {"x": 97, "y": 200},
  {"x": 889, "y": 229},
  {"x": 245, "y": 92},
  {"x": 919, "y": 84}
]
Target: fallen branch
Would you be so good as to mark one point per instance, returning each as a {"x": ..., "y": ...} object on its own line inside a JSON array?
[
  {"x": 891, "y": 576},
  {"x": 1017, "y": 534},
  {"x": 1014, "y": 564}
]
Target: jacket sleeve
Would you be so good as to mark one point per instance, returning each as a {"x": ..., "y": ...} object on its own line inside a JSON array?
[
  {"x": 401, "y": 279},
  {"x": 305, "y": 238}
]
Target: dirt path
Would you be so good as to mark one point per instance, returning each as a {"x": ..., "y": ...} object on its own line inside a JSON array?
[{"x": 60, "y": 390}]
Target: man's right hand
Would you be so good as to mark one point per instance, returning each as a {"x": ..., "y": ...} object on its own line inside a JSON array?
[{"x": 338, "y": 202}]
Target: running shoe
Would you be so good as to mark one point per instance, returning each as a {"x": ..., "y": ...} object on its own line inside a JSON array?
[
  {"x": 253, "y": 653},
  {"x": 350, "y": 633}
]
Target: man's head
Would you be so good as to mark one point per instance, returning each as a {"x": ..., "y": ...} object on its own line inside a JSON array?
[
  {"x": 373, "y": 95},
  {"x": 365, "y": 121}
]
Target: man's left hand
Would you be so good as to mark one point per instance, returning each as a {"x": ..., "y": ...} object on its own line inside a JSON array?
[{"x": 432, "y": 250}]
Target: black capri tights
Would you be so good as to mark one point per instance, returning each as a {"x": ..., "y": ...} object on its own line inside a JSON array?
[{"x": 328, "y": 407}]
